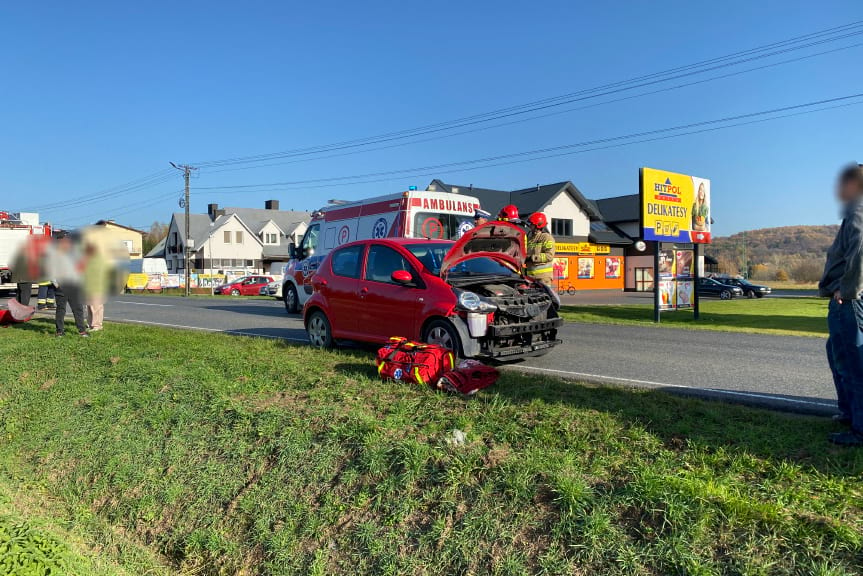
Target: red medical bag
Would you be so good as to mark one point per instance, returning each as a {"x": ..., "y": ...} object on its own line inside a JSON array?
[
  {"x": 468, "y": 377},
  {"x": 416, "y": 362}
]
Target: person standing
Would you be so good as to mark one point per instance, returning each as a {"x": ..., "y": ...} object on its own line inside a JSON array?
[
  {"x": 842, "y": 282},
  {"x": 540, "y": 250},
  {"x": 95, "y": 286},
  {"x": 64, "y": 270}
]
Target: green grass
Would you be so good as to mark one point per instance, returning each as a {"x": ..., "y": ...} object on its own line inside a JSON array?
[
  {"x": 226, "y": 455},
  {"x": 785, "y": 316}
]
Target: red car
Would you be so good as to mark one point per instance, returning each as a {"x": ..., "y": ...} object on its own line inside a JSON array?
[
  {"x": 469, "y": 296},
  {"x": 245, "y": 286}
]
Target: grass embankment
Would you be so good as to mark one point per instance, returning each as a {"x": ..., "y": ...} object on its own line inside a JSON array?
[
  {"x": 784, "y": 316},
  {"x": 233, "y": 455}
]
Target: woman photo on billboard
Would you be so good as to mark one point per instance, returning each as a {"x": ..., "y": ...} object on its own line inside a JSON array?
[{"x": 700, "y": 210}]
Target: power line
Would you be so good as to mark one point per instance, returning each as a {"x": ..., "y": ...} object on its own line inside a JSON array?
[
  {"x": 547, "y": 114},
  {"x": 140, "y": 183},
  {"x": 449, "y": 165},
  {"x": 808, "y": 40}
]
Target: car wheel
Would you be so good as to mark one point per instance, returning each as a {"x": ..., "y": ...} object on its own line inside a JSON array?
[
  {"x": 751, "y": 294},
  {"x": 726, "y": 295},
  {"x": 442, "y": 333},
  {"x": 292, "y": 301},
  {"x": 759, "y": 295},
  {"x": 319, "y": 330},
  {"x": 235, "y": 292}
]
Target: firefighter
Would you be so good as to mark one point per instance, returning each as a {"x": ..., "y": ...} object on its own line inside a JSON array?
[
  {"x": 509, "y": 213},
  {"x": 540, "y": 250},
  {"x": 45, "y": 299}
]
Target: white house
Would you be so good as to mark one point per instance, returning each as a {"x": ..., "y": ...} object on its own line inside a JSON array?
[{"x": 233, "y": 240}]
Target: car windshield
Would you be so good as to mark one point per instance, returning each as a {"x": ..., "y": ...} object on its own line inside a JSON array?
[{"x": 432, "y": 255}]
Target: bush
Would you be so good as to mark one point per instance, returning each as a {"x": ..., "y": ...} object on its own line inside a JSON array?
[
  {"x": 781, "y": 276},
  {"x": 760, "y": 272},
  {"x": 807, "y": 271}
]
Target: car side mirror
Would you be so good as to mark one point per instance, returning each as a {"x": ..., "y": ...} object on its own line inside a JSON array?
[
  {"x": 402, "y": 277},
  {"x": 292, "y": 251}
]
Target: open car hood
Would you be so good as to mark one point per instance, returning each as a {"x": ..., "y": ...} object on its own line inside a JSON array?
[{"x": 500, "y": 241}]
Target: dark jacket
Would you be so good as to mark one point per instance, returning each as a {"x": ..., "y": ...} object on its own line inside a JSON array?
[{"x": 843, "y": 270}]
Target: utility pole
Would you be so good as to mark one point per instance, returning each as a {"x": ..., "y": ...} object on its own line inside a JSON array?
[{"x": 187, "y": 248}]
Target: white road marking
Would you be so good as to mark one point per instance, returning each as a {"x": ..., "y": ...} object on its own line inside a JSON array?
[
  {"x": 653, "y": 384},
  {"x": 143, "y": 303},
  {"x": 215, "y": 330}
]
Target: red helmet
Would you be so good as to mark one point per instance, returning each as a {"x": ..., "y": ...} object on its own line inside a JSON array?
[
  {"x": 508, "y": 212},
  {"x": 538, "y": 219}
]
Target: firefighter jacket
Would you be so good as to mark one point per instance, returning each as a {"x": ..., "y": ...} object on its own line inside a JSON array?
[{"x": 540, "y": 253}]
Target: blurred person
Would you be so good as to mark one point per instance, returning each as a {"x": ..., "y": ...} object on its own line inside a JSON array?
[
  {"x": 540, "y": 250},
  {"x": 27, "y": 267},
  {"x": 64, "y": 268},
  {"x": 843, "y": 283},
  {"x": 481, "y": 217},
  {"x": 700, "y": 211},
  {"x": 96, "y": 270}
]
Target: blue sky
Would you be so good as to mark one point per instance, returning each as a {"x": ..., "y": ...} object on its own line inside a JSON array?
[{"x": 99, "y": 94}]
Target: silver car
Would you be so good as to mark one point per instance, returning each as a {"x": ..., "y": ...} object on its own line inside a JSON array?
[{"x": 273, "y": 289}]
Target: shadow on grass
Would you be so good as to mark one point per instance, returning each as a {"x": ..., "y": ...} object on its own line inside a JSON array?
[
  {"x": 677, "y": 420},
  {"x": 683, "y": 319}
]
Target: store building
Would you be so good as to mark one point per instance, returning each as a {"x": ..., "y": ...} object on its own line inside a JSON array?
[{"x": 589, "y": 254}]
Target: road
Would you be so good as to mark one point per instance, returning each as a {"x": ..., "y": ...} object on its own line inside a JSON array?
[{"x": 784, "y": 372}]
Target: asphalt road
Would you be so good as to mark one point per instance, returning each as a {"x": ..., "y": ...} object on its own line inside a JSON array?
[{"x": 784, "y": 372}]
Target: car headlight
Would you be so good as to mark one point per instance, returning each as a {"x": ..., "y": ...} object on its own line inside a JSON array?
[{"x": 473, "y": 302}]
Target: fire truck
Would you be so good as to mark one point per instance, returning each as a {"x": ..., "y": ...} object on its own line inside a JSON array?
[
  {"x": 410, "y": 214},
  {"x": 15, "y": 228}
]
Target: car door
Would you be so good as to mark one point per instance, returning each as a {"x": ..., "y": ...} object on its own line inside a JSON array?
[
  {"x": 339, "y": 283},
  {"x": 249, "y": 286},
  {"x": 387, "y": 308}
]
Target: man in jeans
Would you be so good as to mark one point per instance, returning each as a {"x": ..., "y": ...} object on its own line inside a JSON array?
[{"x": 843, "y": 283}]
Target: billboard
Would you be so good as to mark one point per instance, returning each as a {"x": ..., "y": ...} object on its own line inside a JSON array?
[{"x": 674, "y": 207}]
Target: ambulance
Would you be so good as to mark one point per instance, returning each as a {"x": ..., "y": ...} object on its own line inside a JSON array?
[{"x": 411, "y": 214}]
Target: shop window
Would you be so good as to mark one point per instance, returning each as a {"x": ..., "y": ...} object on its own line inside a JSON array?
[{"x": 561, "y": 227}]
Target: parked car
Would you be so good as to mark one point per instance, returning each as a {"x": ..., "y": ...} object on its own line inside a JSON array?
[
  {"x": 711, "y": 287},
  {"x": 244, "y": 286},
  {"x": 468, "y": 295},
  {"x": 273, "y": 289},
  {"x": 749, "y": 289}
]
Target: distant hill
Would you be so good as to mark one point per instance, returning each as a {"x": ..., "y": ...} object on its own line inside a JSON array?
[{"x": 787, "y": 248}]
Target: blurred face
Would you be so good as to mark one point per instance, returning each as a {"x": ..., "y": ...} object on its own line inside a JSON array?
[
  {"x": 480, "y": 221},
  {"x": 849, "y": 190}
]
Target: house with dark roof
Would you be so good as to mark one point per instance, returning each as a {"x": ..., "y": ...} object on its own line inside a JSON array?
[
  {"x": 571, "y": 216},
  {"x": 238, "y": 241},
  {"x": 589, "y": 251}
]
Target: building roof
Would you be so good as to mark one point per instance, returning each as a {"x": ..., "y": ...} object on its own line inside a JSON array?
[
  {"x": 112, "y": 223},
  {"x": 620, "y": 208},
  {"x": 158, "y": 250},
  {"x": 528, "y": 200},
  {"x": 257, "y": 218}
]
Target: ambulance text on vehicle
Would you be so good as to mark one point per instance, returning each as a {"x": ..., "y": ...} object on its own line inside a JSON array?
[{"x": 412, "y": 214}]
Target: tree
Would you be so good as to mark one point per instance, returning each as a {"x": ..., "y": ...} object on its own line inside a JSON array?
[
  {"x": 807, "y": 271},
  {"x": 158, "y": 230},
  {"x": 728, "y": 265},
  {"x": 760, "y": 272},
  {"x": 781, "y": 276}
]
